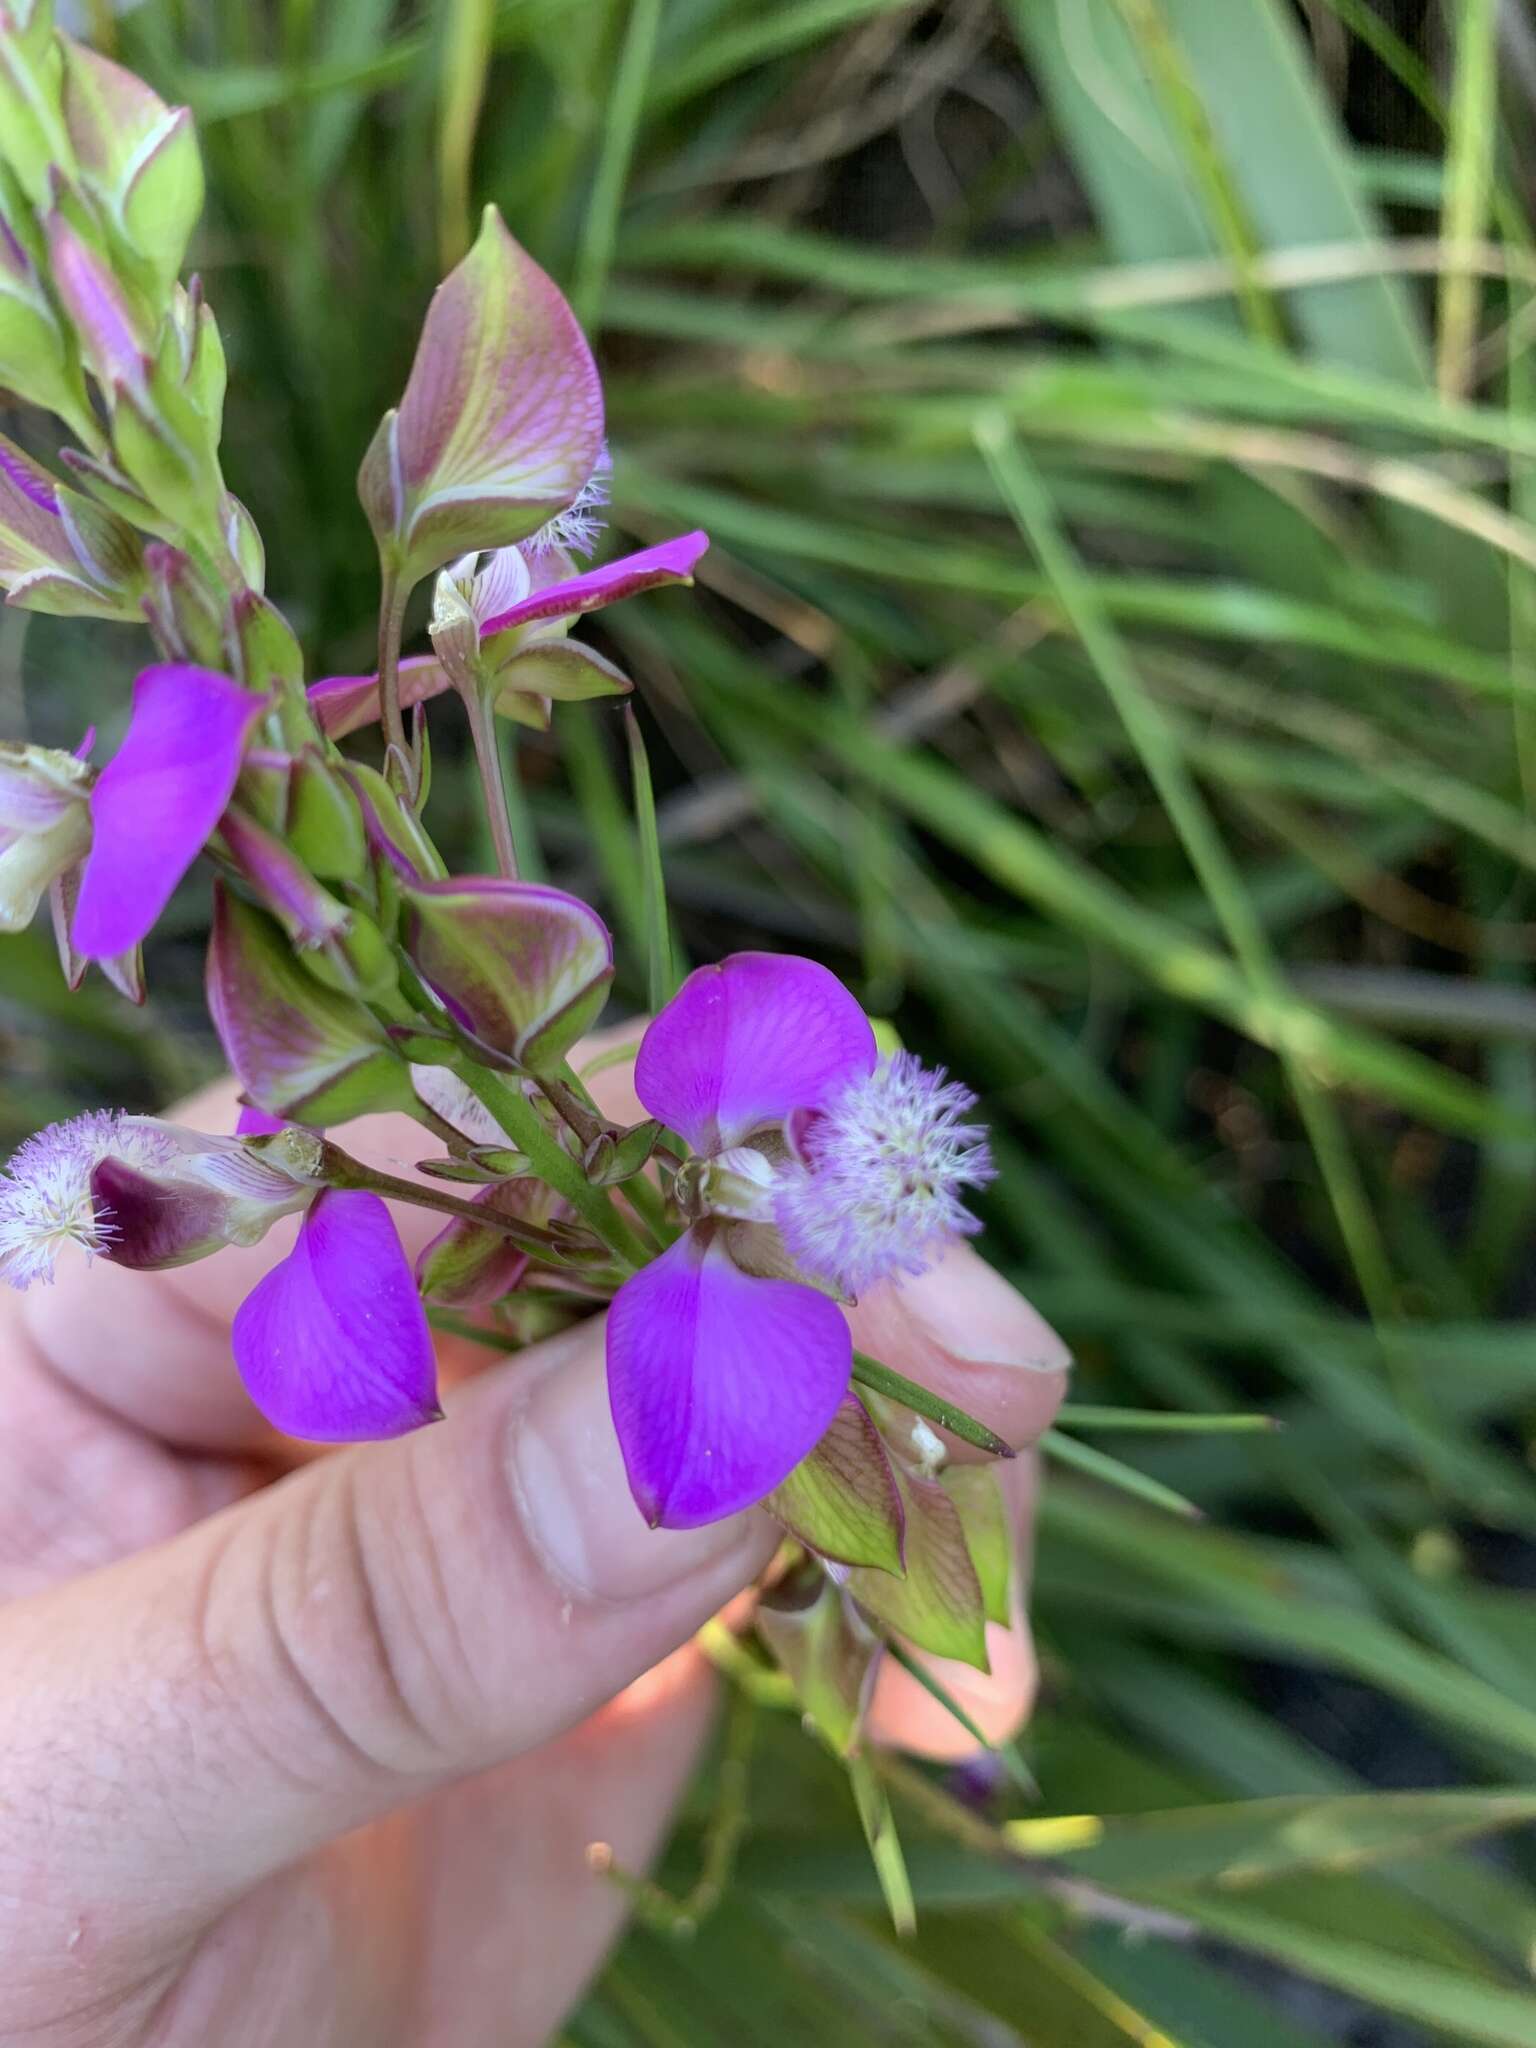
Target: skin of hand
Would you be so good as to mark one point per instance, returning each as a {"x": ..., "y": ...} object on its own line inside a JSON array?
[{"x": 302, "y": 1746}]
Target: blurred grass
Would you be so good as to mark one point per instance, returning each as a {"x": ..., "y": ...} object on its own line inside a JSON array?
[{"x": 1116, "y": 656}]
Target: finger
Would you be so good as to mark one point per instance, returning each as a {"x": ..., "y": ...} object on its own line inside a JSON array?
[
  {"x": 904, "y": 1715},
  {"x": 520, "y": 1835},
  {"x": 371, "y": 1628},
  {"x": 964, "y": 1333}
]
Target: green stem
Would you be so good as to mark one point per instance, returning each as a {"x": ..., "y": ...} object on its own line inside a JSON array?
[
  {"x": 342, "y": 1171},
  {"x": 1079, "y": 1415},
  {"x": 524, "y": 1126},
  {"x": 392, "y": 600},
  {"x": 482, "y": 728},
  {"x": 524, "y": 833},
  {"x": 587, "y": 1124}
]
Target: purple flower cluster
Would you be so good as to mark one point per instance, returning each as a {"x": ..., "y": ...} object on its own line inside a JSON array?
[
  {"x": 816, "y": 1172},
  {"x": 788, "y": 1169}
]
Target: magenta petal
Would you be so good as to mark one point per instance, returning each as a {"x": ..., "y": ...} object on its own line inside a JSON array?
[
  {"x": 719, "y": 1383},
  {"x": 344, "y": 703},
  {"x": 158, "y": 799},
  {"x": 672, "y": 562},
  {"x": 333, "y": 1344},
  {"x": 255, "y": 1123},
  {"x": 742, "y": 1044}
]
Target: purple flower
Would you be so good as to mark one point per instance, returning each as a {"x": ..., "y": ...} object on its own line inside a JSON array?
[
  {"x": 138, "y": 1191},
  {"x": 333, "y": 1344},
  {"x": 816, "y": 1171},
  {"x": 157, "y": 801},
  {"x": 514, "y": 610}
]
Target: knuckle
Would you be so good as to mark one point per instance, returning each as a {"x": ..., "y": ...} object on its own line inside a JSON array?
[{"x": 361, "y": 1671}]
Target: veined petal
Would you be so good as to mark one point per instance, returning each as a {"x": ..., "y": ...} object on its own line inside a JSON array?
[
  {"x": 502, "y": 583},
  {"x": 344, "y": 704},
  {"x": 719, "y": 1383},
  {"x": 333, "y": 1344},
  {"x": 744, "y": 1043},
  {"x": 671, "y": 562},
  {"x": 158, "y": 800}
]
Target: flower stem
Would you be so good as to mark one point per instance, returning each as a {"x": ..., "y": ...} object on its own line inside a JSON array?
[
  {"x": 550, "y": 1160},
  {"x": 569, "y": 1107},
  {"x": 392, "y": 598},
  {"x": 342, "y": 1171},
  {"x": 482, "y": 726}
]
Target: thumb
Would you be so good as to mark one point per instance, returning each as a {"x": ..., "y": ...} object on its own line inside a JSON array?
[{"x": 177, "y": 1726}]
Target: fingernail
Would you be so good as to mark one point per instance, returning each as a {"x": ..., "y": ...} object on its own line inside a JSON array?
[
  {"x": 570, "y": 1482},
  {"x": 971, "y": 1311}
]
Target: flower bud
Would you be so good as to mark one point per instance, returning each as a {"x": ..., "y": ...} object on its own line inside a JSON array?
[
  {"x": 192, "y": 369},
  {"x": 299, "y": 1050},
  {"x": 111, "y": 487},
  {"x": 61, "y": 553},
  {"x": 523, "y": 969},
  {"x": 393, "y": 830},
  {"x": 28, "y": 78},
  {"x": 203, "y": 1193},
  {"x": 37, "y": 359},
  {"x": 181, "y": 608},
  {"x": 138, "y": 156},
  {"x": 244, "y": 541},
  {"x": 308, "y": 912},
  {"x": 111, "y": 334},
  {"x": 616, "y": 1156},
  {"x": 472, "y": 1265},
  {"x": 827, "y": 1649},
  {"x": 501, "y": 423},
  {"x": 45, "y": 826},
  {"x": 454, "y": 629},
  {"x": 169, "y": 468}
]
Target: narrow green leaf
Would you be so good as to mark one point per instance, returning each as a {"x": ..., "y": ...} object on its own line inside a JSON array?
[
  {"x": 1080, "y": 1415},
  {"x": 880, "y": 1379},
  {"x": 879, "y": 1827},
  {"x": 461, "y": 93},
  {"x": 661, "y": 979},
  {"x": 1098, "y": 1465},
  {"x": 1251, "y": 1842},
  {"x": 620, "y": 125}
]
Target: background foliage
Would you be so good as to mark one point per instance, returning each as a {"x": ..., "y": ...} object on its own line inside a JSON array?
[{"x": 1118, "y": 658}]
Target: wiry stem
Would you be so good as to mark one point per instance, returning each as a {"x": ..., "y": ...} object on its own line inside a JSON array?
[
  {"x": 482, "y": 726},
  {"x": 342, "y": 1171},
  {"x": 522, "y": 1123},
  {"x": 392, "y": 599}
]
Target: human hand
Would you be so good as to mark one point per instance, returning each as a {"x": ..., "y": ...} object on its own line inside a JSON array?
[{"x": 308, "y": 1748}]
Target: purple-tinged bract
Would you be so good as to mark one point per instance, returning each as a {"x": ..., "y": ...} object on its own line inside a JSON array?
[{"x": 501, "y": 424}]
